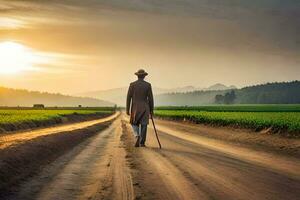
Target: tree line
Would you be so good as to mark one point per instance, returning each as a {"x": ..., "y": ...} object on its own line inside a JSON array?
[
  {"x": 227, "y": 98},
  {"x": 18, "y": 97},
  {"x": 269, "y": 93}
]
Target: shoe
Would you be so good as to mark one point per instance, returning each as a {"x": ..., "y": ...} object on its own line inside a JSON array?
[
  {"x": 142, "y": 145},
  {"x": 137, "y": 143}
]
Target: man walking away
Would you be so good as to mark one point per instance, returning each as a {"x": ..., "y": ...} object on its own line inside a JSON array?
[{"x": 139, "y": 105}]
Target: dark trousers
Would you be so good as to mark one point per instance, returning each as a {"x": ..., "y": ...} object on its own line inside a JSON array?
[{"x": 140, "y": 130}]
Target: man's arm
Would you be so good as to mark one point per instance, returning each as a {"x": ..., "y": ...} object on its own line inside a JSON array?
[
  {"x": 128, "y": 102},
  {"x": 150, "y": 100}
]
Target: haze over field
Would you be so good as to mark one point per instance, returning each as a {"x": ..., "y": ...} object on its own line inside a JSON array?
[
  {"x": 118, "y": 95},
  {"x": 75, "y": 46}
]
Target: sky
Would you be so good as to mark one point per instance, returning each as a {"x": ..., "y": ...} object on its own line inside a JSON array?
[{"x": 75, "y": 46}]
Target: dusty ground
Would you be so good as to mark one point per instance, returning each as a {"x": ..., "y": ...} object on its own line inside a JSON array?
[{"x": 195, "y": 163}]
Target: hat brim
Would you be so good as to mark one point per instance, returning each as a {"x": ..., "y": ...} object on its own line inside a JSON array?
[{"x": 140, "y": 74}]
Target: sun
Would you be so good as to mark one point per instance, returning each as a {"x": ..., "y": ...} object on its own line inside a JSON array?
[{"x": 15, "y": 58}]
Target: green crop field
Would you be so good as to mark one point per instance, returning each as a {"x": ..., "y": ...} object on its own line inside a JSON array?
[
  {"x": 285, "y": 119},
  {"x": 238, "y": 108},
  {"x": 18, "y": 116},
  {"x": 14, "y": 119}
]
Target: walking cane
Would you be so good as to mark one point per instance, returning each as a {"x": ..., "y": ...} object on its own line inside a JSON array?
[{"x": 155, "y": 130}]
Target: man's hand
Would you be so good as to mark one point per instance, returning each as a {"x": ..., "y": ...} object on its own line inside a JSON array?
[{"x": 127, "y": 112}]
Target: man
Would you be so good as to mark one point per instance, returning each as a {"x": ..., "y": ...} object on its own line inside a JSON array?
[{"x": 139, "y": 106}]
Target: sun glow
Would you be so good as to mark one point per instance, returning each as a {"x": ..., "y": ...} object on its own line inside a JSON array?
[
  {"x": 15, "y": 58},
  {"x": 10, "y": 23}
]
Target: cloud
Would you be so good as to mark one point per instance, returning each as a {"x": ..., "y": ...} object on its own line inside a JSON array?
[
  {"x": 275, "y": 22},
  {"x": 179, "y": 36}
]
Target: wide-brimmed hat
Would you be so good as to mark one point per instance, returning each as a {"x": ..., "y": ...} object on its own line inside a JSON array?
[{"x": 141, "y": 72}]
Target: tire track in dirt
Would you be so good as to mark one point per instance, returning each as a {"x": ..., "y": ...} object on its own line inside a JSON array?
[
  {"x": 155, "y": 177},
  {"x": 118, "y": 181},
  {"x": 221, "y": 176}
]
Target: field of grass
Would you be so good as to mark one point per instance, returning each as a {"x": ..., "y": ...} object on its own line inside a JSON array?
[
  {"x": 15, "y": 119},
  {"x": 284, "y": 119}
]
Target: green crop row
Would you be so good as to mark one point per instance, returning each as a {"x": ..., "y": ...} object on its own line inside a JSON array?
[
  {"x": 277, "y": 121},
  {"x": 237, "y": 108},
  {"x": 12, "y": 116}
]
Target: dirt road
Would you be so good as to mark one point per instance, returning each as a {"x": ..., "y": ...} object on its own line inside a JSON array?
[{"x": 190, "y": 166}]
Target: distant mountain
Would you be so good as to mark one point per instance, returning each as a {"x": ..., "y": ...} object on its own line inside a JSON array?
[
  {"x": 270, "y": 93},
  {"x": 180, "y": 89},
  {"x": 118, "y": 95},
  {"x": 219, "y": 86},
  {"x": 17, "y": 97}
]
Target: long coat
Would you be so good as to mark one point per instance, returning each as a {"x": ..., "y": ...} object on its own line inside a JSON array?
[{"x": 139, "y": 102}]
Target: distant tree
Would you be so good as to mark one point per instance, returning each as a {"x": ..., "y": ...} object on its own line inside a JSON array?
[
  {"x": 233, "y": 96},
  {"x": 39, "y": 106},
  {"x": 229, "y": 97},
  {"x": 270, "y": 93},
  {"x": 219, "y": 99}
]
